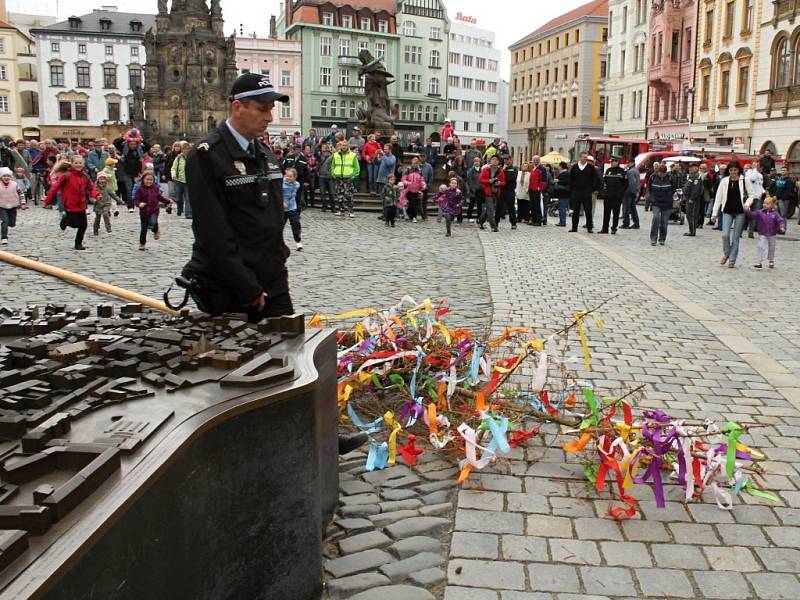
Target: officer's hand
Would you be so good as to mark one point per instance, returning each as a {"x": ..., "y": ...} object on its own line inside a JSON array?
[{"x": 259, "y": 302}]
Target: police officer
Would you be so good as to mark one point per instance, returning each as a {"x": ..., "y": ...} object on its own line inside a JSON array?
[
  {"x": 239, "y": 257},
  {"x": 615, "y": 182}
]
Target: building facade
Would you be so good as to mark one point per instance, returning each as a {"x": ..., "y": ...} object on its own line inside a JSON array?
[
  {"x": 190, "y": 69},
  {"x": 671, "y": 69},
  {"x": 332, "y": 37},
  {"x": 626, "y": 85},
  {"x": 474, "y": 91},
  {"x": 281, "y": 61},
  {"x": 726, "y": 73},
  {"x": 88, "y": 68},
  {"x": 557, "y": 87},
  {"x": 19, "y": 94},
  {"x": 776, "y": 122}
]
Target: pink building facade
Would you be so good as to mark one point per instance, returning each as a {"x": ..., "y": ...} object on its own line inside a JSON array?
[{"x": 670, "y": 72}]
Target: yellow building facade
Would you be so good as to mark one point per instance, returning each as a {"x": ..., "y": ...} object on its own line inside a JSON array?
[{"x": 18, "y": 95}]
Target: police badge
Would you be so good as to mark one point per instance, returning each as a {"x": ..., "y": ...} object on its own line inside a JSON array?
[{"x": 240, "y": 167}]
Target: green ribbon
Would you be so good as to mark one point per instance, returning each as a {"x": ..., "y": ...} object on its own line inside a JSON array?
[
  {"x": 734, "y": 432},
  {"x": 751, "y": 489}
]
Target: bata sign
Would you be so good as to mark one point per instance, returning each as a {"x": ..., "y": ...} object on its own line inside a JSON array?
[{"x": 466, "y": 19}]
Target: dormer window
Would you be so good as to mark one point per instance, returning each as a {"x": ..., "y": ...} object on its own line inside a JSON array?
[
  {"x": 136, "y": 25},
  {"x": 74, "y": 22},
  {"x": 327, "y": 19},
  {"x": 105, "y": 24},
  {"x": 347, "y": 21}
]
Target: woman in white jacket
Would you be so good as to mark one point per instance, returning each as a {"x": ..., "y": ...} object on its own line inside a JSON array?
[
  {"x": 521, "y": 192},
  {"x": 733, "y": 197},
  {"x": 755, "y": 183}
]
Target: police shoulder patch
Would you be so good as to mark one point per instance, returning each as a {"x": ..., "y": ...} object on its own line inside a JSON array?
[{"x": 204, "y": 147}]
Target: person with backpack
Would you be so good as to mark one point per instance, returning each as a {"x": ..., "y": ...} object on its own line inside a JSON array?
[{"x": 344, "y": 168}]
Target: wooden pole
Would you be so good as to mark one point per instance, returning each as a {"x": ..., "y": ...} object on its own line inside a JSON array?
[{"x": 92, "y": 284}]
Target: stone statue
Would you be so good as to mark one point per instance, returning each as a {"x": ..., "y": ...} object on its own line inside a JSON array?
[
  {"x": 176, "y": 124},
  {"x": 150, "y": 43},
  {"x": 194, "y": 102},
  {"x": 137, "y": 107},
  {"x": 379, "y": 114},
  {"x": 154, "y": 127},
  {"x": 162, "y": 7},
  {"x": 216, "y": 9},
  {"x": 230, "y": 49},
  {"x": 193, "y": 55}
]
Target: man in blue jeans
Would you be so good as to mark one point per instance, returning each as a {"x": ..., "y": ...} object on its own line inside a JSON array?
[
  {"x": 180, "y": 190},
  {"x": 632, "y": 197}
]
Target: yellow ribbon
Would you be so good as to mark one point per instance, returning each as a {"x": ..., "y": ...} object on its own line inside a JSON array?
[
  {"x": 317, "y": 320},
  {"x": 584, "y": 342},
  {"x": 396, "y": 427}
]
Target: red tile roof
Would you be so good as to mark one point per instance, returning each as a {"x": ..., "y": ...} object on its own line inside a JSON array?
[{"x": 595, "y": 8}]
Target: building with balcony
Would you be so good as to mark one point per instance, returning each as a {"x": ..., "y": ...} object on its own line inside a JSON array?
[
  {"x": 626, "y": 86},
  {"x": 19, "y": 98},
  {"x": 776, "y": 122},
  {"x": 558, "y": 78},
  {"x": 726, "y": 75},
  {"x": 281, "y": 61},
  {"x": 474, "y": 88},
  {"x": 422, "y": 74},
  {"x": 331, "y": 37},
  {"x": 671, "y": 69},
  {"x": 89, "y": 67}
]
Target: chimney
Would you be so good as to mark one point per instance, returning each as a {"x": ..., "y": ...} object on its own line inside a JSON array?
[{"x": 273, "y": 27}]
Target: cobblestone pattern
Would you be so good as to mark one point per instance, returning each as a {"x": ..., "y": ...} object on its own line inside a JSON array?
[
  {"x": 392, "y": 530},
  {"x": 346, "y": 263},
  {"x": 529, "y": 529}
]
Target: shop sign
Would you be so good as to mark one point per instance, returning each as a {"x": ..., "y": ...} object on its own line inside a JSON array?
[{"x": 466, "y": 19}]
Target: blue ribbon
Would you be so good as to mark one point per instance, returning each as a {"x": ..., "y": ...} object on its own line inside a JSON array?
[{"x": 378, "y": 455}]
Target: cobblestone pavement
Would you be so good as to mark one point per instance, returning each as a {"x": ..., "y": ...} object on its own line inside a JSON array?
[{"x": 707, "y": 341}]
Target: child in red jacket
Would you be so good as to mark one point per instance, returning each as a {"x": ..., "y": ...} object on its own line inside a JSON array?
[
  {"x": 492, "y": 180},
  {"x": 76, "y": 188}
]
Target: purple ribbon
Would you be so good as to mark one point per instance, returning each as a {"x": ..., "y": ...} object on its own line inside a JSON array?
[{"x": 662, "y": 440}]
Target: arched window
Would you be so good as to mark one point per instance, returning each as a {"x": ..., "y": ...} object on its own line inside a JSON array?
[
  {"x": 334, "y": 106},
  {"x": 796, "y": 53},
  {"x": 427, "y": 114},
  {"x": 435, "y": 57},
  {"x": 352, "y": 109},
  {"x": 419, "y": 112},
  {"x": 323, "y": 108},
  {"x": 769, "y": 145},
  {"x": 782, "y": 60},
  {"x": 410, "y": 28},
  {"x": 793, "y": 159},
  {"x": 343, "y": 109},
  {"x": 433, "y": 86}
]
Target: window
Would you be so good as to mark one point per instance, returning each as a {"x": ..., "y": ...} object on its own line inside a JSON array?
[
  {"x": 325, "y": 77},
  {"x": 433, "y": 87},
  {"x": 265, "y": 72},
  {"x": 566, "y": 72},
  {"x": 730, "y": 10},
  {"x": 782, "y": 64},
  {"x": 675, "y": 46},
  {"x": 347, "y": 21},
  {"x": 343, "y": 109},
  {"x": 622, "y": 62},
  {"x": 480, "y": 85},
  {"x": 689, "y": 47},
  {"x": 383, "y": 26},
  {"x": 603, "y": 68},
  {"x": 83, "y": 76},
  {"x": 334, "y": 106},
  {"x": 57, "y": 75},
  {"x": 55, "y": 47},
  {"x": 65, "y": 111},
  {"x": 81, "y": 48},
  {"x": 113, "y": 111},
  {"x": 624, "y": 23},
  {"x": 413, "y": 55},
  {"x": 480, "y": 107},
  {"x": 412, "y": 83},
  {"x": 352, "y": 109},
  {"x": 555, "y": 74},
  {"x": 327, "y": 19},
  {"x": 109, "y": 50},
  {"x": 468, "y": 60},
  {"x": 660, "y": 53},
  {"x": 436, "y": 33},
  {"x": 602, "y": 107},
  {"x": 575, "y": 70},
  {"x": 574, "y": 106},
  {"x": 380, "y": 49},
  {"x": 135, "y": 51},
  {"x": 404, "y": 113},
  {"x": 410, "y": 29},
  {"x": 480, "y": 63},
  {"x": 81, "y": 112},
  {"x": 366, "y": 24},
  {"x": 454, "y": 81},
  {"x": 709, "y": 32},
  {"x": 455, "y": 58},
  {"x": 577, "y": 35},
  {"x": 452, "y": 104},
  {"x": 323, "y": 108},
  {"x": 492, "y": 87},
  {"x": 744, "y": 82},
  {"x": 604, "y": 36},
  {"x": 344, "y": 47},
  {"x": 325, "y": 46},
  {"x": 491, "y": 109},
  {"x": 466, "y": 105},
  {"x": 363, "y": 45},
  {"x": 621, "y": 106},
  {"x": 110, "y": 77},
  {"x": 747, "y": 15},
  {"x": 491, "y": 127},
  {"x": 555, "y": 108},
  {"x": 466, "y": 83},
  {"x": 244, "y": 72},
  {"x": 4, "y": 104},
  {"x": 724, "y": 86},
  {"x": 492, "y": 65},
  {"x": 705, "y": 90},
  {"x": 344, "y": 77},
  {"x": 435, "y": 59},
  {"x": 609, "y": 31},
  {"x": 135, "y": 78},
  {"x": 286, "y": 78},
  {"x": 3, "y": 73},
  {"x": 286, "y": 110}
]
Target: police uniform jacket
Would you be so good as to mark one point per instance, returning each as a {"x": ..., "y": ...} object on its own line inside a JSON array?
[
  {"x": 237, "y": 218},
  {"x": 615, "y": 182}
]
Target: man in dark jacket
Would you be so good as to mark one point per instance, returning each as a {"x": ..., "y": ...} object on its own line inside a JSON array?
[
  {"x": 299, "y": 162},
  {"x": 508, "y": 197},
  {"x": 634, "y": 181},
  {"x": 615, "y": 183},
  {"x": 561, "y": 192},
  {"x": 492, "y": 180},
  {"x": 785, "y": 190},
  {"x": 693, "y": 196},
  {"x": 767, "y": 163},
  {"x": 584, "y": 182},
  {"x": 474, "y": 189}
]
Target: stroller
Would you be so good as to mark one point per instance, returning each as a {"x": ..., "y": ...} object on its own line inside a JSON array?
[{"x": 678, "y": 214}]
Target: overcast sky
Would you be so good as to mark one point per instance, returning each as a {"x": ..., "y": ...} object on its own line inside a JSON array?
[{"x": 509, "y": 19}]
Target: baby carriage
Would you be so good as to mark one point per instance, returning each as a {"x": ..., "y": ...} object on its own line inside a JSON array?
[{"x": 678, "y": 214}]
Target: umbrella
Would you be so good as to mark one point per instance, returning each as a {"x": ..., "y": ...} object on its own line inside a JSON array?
[{"x": 554, "y": 157}]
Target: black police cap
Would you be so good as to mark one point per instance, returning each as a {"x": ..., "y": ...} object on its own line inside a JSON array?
[{"x": 258, "y": 87}]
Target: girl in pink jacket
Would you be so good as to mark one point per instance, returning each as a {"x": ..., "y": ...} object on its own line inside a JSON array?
[{"x": 11, "y": 199}]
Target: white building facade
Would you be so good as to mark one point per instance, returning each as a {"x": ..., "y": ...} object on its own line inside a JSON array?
[
  {"x": 626, "y": 85},
  {"x": 89, "y": 67},
  {"x": 475, "y": 105}
]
